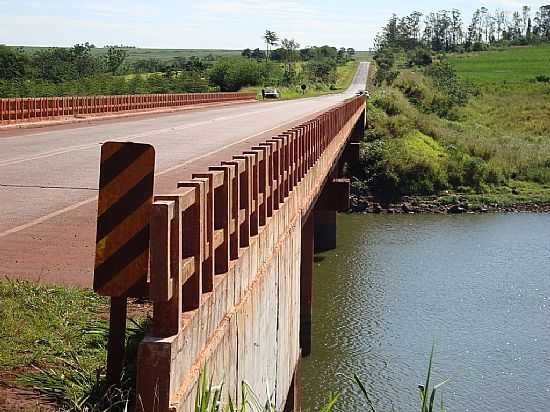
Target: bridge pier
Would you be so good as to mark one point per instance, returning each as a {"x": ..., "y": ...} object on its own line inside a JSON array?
[
  {"x": 333, "y": 199},
  {"x": 306, "y": 283},
  {"x": 294, "y": 397}
]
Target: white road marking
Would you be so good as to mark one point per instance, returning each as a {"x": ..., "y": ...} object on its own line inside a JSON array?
[
  {"x": 155, "y": 132},
  {"x": 94, "y": 198}
]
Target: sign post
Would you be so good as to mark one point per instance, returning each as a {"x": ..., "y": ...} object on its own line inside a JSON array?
[{"x": 122, "y": 243}]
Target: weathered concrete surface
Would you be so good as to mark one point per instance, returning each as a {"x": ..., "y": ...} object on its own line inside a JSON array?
[{"x": 248, "y": 328}]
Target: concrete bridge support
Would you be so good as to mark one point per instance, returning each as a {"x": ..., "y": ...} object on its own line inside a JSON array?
[{"x": 333, "y": 199}]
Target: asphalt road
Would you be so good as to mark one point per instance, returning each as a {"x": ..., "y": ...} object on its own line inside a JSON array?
[{"x": 49, "y": 177}]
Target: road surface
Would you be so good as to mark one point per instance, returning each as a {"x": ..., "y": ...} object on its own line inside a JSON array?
[{"x": 49, "y": 177}]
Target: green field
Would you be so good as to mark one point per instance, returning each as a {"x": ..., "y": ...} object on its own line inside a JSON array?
[
  {"x": 514, "y": 65},
  {"x": 135, "y": 54},
  {"x": 363, "y": 56},
  {"x": 495, "y": 148}
]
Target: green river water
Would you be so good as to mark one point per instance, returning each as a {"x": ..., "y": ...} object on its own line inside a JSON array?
[{"x": 476, "y": 285}]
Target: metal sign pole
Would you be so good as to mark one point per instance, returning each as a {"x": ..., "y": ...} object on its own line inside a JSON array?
[{"x": 117, "y": 340}]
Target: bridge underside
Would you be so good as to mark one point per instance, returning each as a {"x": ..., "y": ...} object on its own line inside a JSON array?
[{"x": 255, "y": 323}]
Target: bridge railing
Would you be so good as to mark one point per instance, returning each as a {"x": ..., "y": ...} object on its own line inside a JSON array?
[
  {"x": 199, "y": 229},
  {"x": 202, "y": 226},
  {"x": 200, "y": 252},
  {"x": 19, "y": 110}
]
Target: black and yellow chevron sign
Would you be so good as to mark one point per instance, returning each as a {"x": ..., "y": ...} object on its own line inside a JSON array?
[{"x": 124, "y": 209}]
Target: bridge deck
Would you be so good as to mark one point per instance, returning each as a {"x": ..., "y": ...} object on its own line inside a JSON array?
[{"x": 48, "y": 177}]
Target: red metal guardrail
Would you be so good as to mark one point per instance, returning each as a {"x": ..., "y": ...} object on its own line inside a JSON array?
[{"x": 35, "y": 109}]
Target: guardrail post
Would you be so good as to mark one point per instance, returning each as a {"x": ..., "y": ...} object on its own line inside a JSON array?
[
  {"x": 235, "y": 243},
  {"x": 208, "y": 263},
  {"x": 269, "y": 178},
  {"x": 193, "y": 244},
  {"x": 264, "y": 187},
  {"x": 166, "y": 248},
  {"x": 245, "y": 202},
  {"x": 278, "y": 196},
  {"x": 259, "y": 183},
  {"x": 252, "y": 159},
  {"x": 222, "y": 218}
]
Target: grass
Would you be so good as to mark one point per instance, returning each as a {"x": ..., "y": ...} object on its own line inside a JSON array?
[
  {"x": 43, "y": 324},
  {"x": 211, "y": 398},
  {"x": 138, "y": 53},
  {"x": 510, "y": 65},
  {"x": 490, "y": 148},
  {"x": 344, "y": 78},
  {"x": 514, "y": 193},
  {"x": 135, "y": 54},
  {"x": 54, "y": 342}
]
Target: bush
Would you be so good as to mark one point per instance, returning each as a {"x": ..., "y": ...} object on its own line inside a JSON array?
[
  {"x": 389, "y": 101},
  {"x": 419, "y": 57},
  {"x": 451, "y": 90},
  {"x": 414, "y": 164},
  {"x": 542, "y": 78},
  {"x": 475, "y": 172}
]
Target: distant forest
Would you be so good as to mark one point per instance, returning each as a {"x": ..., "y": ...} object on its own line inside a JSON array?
[{"x": 446, "y": 30}]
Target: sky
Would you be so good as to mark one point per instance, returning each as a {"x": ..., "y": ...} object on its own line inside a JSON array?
[{"x": 211, "y": 24}]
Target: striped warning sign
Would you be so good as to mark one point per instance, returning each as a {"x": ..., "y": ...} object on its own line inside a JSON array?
[{"x": 124, "y": 209}]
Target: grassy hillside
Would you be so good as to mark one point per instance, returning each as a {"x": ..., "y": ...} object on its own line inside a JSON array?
[
  {"x": 515, "y": 65},
  {"x": 492, "y": 147},
  {"x": 135, "y": 54}
]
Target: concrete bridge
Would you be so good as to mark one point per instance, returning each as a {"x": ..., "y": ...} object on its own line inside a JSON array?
[
  {"x": 232, "y": 260},
  {"x": 235, "y": 222}
]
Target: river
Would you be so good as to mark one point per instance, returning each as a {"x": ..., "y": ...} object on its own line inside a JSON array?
[{"x": 475, "y": 286}]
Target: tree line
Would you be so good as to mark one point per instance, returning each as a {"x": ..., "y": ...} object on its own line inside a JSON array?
[
  {"x": 285, "y": 63},
  {"x": 82, "y": 70},
  {"x": 446, "y": 30}
]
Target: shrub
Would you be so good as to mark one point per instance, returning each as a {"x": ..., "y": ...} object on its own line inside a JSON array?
[
  {"x": 414, "y": 164},
  {"x": 419, "y": 57},
  {"x": 475, "y": 172}
]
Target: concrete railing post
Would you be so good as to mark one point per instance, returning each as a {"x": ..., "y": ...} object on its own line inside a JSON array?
[{"x": 193, "y": 243}]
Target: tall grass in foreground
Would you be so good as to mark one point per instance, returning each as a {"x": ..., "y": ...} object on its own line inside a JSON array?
[
  {"x": 77, "y": 388},
  {"x": 208, "y": 398}
]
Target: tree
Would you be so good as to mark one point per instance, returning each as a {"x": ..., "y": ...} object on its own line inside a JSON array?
[
  {"x": 246, "y": 53},
  {"x": 13, "y": 63},
  {"x": 114, "y": 58},
  {"x": 289, "y": 48},
  {"x": 543, "y": 23},
  {"x": 456, "y": 28},
  {"x": 526, "y": 15},
  {"x": 271, "y": 39},
  {"x": 257, "y": 54}
]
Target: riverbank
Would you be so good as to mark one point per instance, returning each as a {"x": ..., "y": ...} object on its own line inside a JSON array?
[
  {"x": 453, "y": 204},
  {"x": 457, "y": 139}
]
